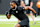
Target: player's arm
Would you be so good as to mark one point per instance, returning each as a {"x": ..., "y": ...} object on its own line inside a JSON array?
[
  {"x": 26, "y": 8},
  {"x": 22, "y": 3},
  {"x": 32, "y": 10},
  {"x": 8, "y": 14},
  {"x": 31, "y": 4}
]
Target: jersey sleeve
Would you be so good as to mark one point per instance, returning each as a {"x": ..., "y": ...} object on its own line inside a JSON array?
[{"x": 10, "y": 11}]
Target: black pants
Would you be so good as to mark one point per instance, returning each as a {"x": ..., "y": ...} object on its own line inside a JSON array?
[{"x": 24, "y": 23}]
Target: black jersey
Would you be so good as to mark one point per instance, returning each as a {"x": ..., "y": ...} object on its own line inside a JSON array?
[{"x": 18, "y": 12}]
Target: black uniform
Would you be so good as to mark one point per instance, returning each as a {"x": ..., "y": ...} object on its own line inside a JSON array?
[{"x": 18, "y": 12}]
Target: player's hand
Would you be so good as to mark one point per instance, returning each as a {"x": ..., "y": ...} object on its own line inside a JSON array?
[
  {"x": 8, "y": 15},
  {"x": 35, "y": 15}
]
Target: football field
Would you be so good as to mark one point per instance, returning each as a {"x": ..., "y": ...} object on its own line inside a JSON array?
[{"x": 4, "y": 22}]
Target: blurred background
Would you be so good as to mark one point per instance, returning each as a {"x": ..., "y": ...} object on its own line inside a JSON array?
[
  {"x": 5, "y": 6},
  {"x": 4, "y": 22}
]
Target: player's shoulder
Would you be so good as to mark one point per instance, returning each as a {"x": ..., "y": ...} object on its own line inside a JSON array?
[
  {"x": 10, "y": 9},
  {"x": 20, "y": 7}
]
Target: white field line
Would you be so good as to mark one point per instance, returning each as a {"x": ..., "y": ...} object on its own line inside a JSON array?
[
  {"x": 30, "y": 19},
  {"x": 5, "y": 16},
  {"x": 8, "y": 19},
  {"x": 14, "y": 19}
]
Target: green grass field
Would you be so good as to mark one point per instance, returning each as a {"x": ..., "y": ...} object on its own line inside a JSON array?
[{"x": 12, "y": 23}]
